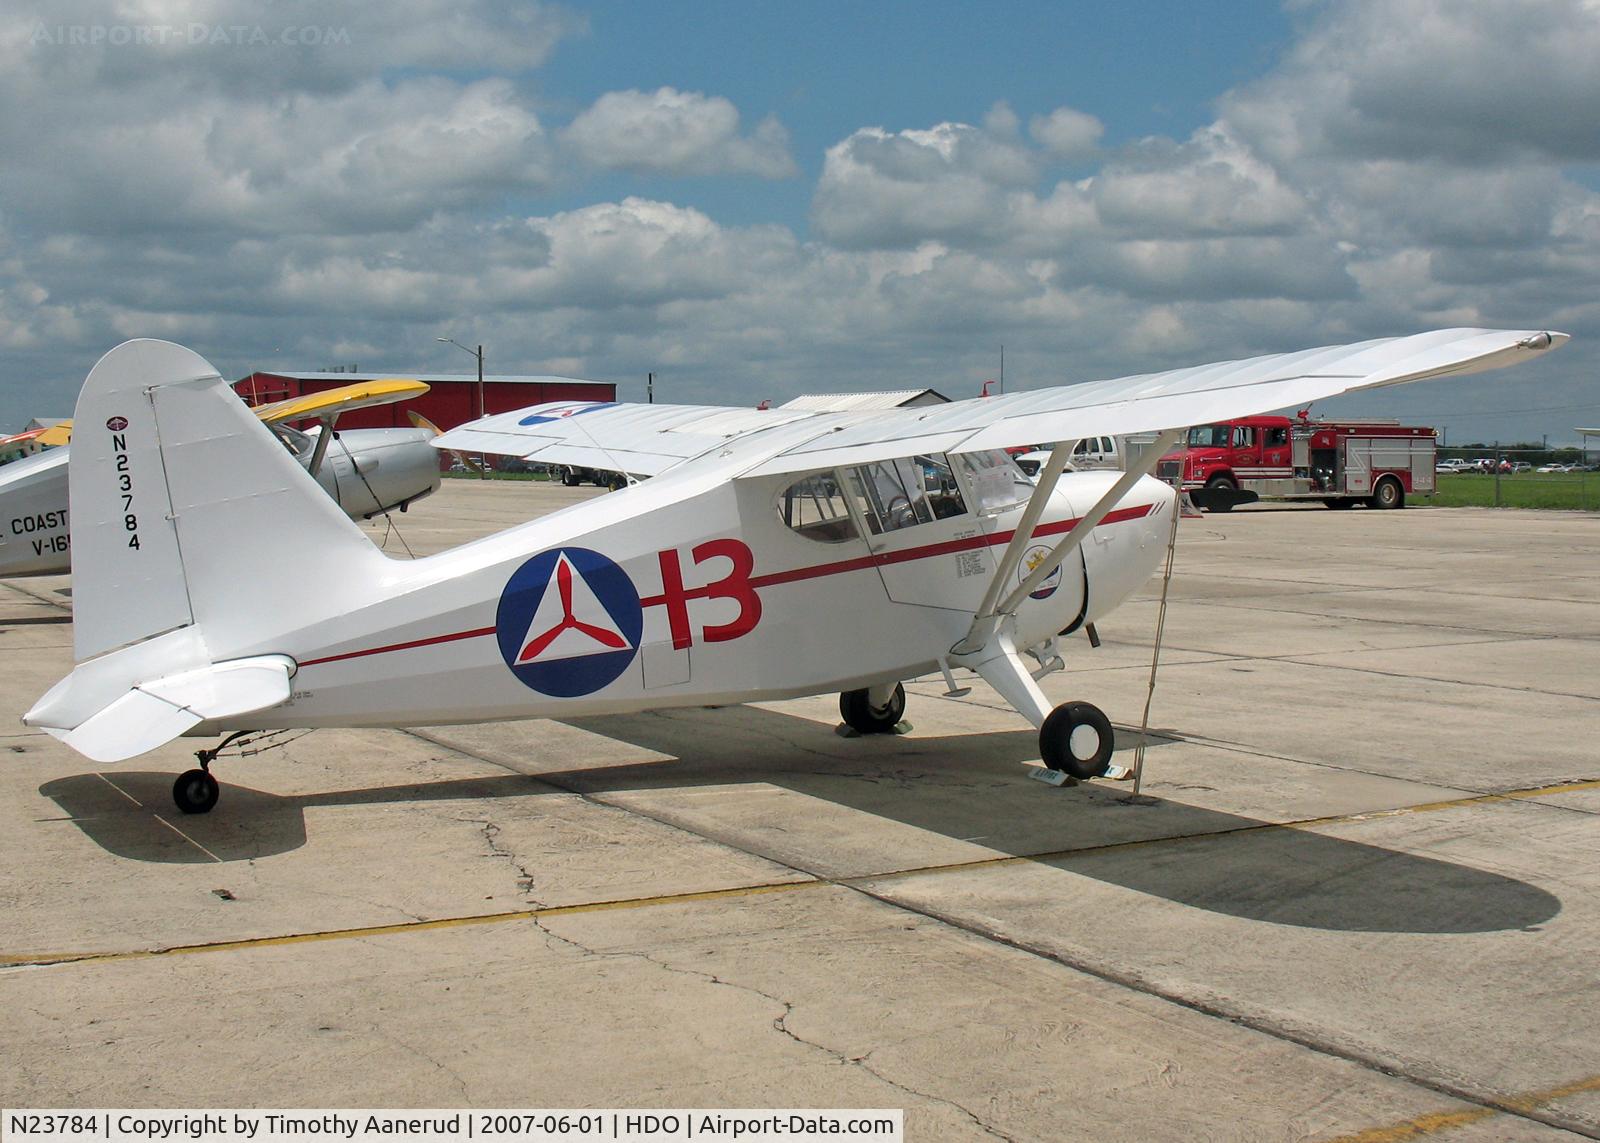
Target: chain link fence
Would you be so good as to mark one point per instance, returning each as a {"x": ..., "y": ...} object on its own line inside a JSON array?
[{"x": 1518, "y": 477}]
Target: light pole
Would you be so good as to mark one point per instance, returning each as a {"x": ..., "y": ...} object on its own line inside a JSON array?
[{"x": 478, "y": 353}]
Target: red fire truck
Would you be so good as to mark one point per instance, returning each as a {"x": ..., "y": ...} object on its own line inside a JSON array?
[{"x": 1282, "y": 458}]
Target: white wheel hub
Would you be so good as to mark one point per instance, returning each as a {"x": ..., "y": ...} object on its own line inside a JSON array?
[{"x": 1084, "y": 741}]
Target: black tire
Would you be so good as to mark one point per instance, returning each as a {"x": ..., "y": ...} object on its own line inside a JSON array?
[
  {"x": 861, "y": 716},
  {"x": 195, "y": 792},
  {"x": 1338, "y": 502},
  {"x": 1387, "y": 493},
  {"x": 1088, "y": 756},
  {"x": 569, "y": 479},
  {"x": 1221, "y": 484}
]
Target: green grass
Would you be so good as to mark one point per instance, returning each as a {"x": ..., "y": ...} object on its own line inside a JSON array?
[{"x": 1571, "y": 490}]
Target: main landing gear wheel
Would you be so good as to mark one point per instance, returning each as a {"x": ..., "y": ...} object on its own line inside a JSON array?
[
  {"x": 195, "y": 791},
  {"x": 1077, "y": 738},
  {"x": 862, "y": 716}
]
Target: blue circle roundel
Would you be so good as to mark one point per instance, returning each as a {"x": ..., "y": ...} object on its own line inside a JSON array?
[{"x": 569, "y": 622}]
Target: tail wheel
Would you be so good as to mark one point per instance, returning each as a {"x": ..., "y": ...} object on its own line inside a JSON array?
[
  {"x": 1077, "y": 738},
  {"x": 1223, "y": 484},
  {"x": 195, "y": 791},
  {"x": 1388, "y": 494},
  {"x": 862, "y": 715}
]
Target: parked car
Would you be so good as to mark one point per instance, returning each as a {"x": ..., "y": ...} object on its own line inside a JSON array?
[
  {"x": 1454, "y": 464},
  {"x": 1091, "y": 452}
]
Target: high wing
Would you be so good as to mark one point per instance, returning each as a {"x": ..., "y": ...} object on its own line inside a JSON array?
[
  {"x": 332, "y": 402},
  {"x": 1154, "y": 402},
  {"x": 649, "y": 439},
  {"x": 645, "y": 440}
]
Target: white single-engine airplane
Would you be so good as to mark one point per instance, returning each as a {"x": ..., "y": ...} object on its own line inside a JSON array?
[
  {"x": 773, "y": 554},
  {"x": 367, "y": 471}
]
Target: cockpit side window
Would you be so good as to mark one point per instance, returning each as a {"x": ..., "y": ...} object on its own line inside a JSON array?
[
  {"x": 893, "y": 494},
  {"x": 994, "y": 480},
  {"x": 905, "y": 492},
  {"x": 816, "y": 508},
  {"x": 944, "y": 492}
]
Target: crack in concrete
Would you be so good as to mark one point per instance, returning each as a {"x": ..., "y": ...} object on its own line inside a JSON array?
[
  {"x": 780, "y": 1023},
  {"x": 396, "y": 1041},
  {"x": 1131, "y": 981},
  {"x": 491, "y": 836}
]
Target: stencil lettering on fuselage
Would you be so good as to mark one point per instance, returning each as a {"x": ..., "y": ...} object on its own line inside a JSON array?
[{"x": 569, "y": 622}]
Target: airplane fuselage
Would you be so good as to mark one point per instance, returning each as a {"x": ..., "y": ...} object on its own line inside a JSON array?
[{"x": 592, "y": 610}]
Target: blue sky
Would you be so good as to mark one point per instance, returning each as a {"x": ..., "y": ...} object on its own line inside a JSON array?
[
  {"x": 754, "y": 200},
  {"x": 828, "y": 68}
]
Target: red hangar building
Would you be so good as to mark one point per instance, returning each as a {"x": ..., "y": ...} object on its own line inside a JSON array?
[{"x": 451, "y": 399}]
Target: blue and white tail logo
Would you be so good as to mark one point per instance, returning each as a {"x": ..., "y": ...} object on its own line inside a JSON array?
[{"x": 569, "y": 622}]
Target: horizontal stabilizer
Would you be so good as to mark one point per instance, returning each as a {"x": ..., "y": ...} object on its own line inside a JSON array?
[{"x": 156, "y": 712}]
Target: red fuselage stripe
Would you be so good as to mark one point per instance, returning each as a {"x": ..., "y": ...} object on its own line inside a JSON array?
[
  {"x": 794, "y": 575},
  {"x": 401, "y": 646}
]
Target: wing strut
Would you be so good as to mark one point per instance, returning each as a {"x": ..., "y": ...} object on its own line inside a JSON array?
[
  {"x": 989, "y": 613},
  {"x": 1012, "y": 556}
]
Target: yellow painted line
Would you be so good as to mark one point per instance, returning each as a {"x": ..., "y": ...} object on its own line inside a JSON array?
[
  {"x": 412, "y": 926},
  {"x": 39, "y": 959},
  {"x": 1420, "y": 1127},
  {"x": 1440, "y": 1121},
  {"x": 1253, "y": 827}
]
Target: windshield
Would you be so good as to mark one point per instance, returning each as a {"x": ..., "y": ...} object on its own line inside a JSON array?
[
  {"x": 1208, "y": 436},
  {"x": 996, "y": 482}
]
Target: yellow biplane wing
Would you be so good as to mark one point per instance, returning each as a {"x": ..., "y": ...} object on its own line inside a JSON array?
[
  {"x": 49, "y": 436},
  {"x": 361, "y": 395}
]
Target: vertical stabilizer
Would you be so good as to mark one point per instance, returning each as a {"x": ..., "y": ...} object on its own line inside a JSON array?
[
  {"x": 129, "y": 584},
  {"x": 187, "y": 510},
  {"x": 196, "y": 540}
]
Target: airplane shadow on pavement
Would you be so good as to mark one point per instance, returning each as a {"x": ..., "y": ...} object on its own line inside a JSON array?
[{"x": 968, "y": 787}]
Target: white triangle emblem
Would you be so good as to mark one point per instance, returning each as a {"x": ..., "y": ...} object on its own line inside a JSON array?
[{"x": 570, "y": 621}]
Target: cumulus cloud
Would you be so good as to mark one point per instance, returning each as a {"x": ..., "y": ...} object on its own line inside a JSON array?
[
  {"x": 677, "y": 132},
  {"x": 881, "y": 188},
  {"x": 292, "y": 208},
  {"x": 1066, "y": 133},
  {"x": 1210, "y": 185},
  {"x": 296, "y": 45},
  {"x": 373, "y": 157},
  {"x": 1475, "y": 82}
]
